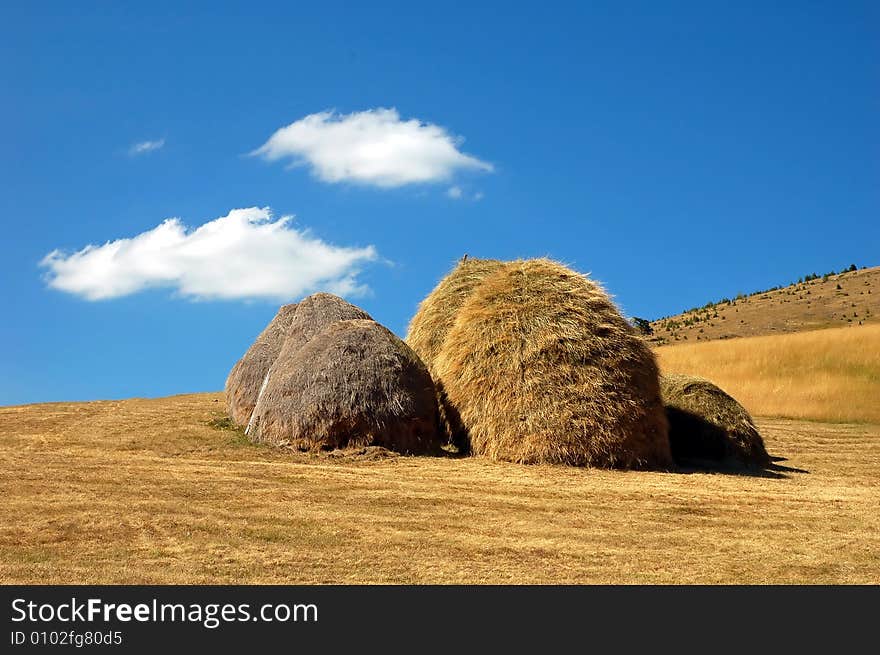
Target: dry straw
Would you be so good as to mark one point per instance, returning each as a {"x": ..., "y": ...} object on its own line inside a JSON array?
[
  {"x": 313, "y": 315},
  {"x": 436, "y": 313},
  {"x": 291, "y": 328},
  {"x": 541, "y": 367},
  {"x": 246, "y": 377},
  {"x": 707, "y": 424},
  {"x": 354, "y": 384},
  {"x": 432, "y": 322}
]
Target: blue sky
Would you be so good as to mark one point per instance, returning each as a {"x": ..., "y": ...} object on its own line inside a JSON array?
[{"x": 678, "y": 152}]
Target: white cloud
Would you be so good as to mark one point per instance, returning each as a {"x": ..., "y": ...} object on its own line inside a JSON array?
[
  {"x": 144, "y": 147},
  {"x": 245, "y": 254},
  {"x": 454, "y": 192},
  {"x": 479, "y": 195},
  {"x": 371, "y": 147}
]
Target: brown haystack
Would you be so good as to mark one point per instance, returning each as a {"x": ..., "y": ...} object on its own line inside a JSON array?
[
  {"x": 708, "y": 425},
  {"x": 246, "y": 377},
  {"x": 353, "y": 385},
  {"x": 541, "y": 367},
  {"x": 436, "y": 313},
  {"x": 313, "y": 315},
  {"x": 291, "y": 328}
]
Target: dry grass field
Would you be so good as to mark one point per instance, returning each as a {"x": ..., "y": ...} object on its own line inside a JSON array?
[
  {"x": 158, "y": 491},
  {"x": 825, "y": 375},
  {"x": 841, "y": 300}
]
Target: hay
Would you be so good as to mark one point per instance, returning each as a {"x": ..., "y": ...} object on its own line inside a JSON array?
[
  {"x": 436, "y": 313},
  {"x": 432, "y": 322},
  {"x": 541, "y": 367},
  {"x": 708, "y": 425},
  {"x": 313, "y": 315},
  {"x": 291, "y": 328},
  {"x": 246, "y": 377},
  {"x": 353, "y": 385}
]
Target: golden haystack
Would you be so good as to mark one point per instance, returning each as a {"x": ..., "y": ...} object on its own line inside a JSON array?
[
  {"x": 355, "y": 384},
  {"x": 708, "y": 425},
  {"x": 541, "y": 367},
  {"x": 436, "y": 313},
  {"x": 246, "y": 377},
  {"x": 433, "y": 320}
]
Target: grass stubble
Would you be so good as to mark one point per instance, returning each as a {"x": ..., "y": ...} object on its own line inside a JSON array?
[{"x": 168, "y": 491}]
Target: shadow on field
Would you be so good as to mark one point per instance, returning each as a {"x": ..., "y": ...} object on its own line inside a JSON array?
[
  {"x": 450, "y": 420},
  {"x": 727, "y": 443},
  {"x": 737, "y": 467}
]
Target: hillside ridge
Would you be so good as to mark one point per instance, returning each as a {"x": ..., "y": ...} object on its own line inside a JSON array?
[{"x": 850, "y": 298}]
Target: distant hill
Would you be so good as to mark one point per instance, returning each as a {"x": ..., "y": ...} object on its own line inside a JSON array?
[{"x": 850, "y": 298}]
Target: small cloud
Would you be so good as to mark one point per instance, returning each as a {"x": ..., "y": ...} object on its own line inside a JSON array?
[
  {"x": 243, "y": 255},
  {"x": 374, "y": 147},
  {"x": 479, "y": 195},
  {"x": 454, "y": 192},
  {"x": 145, "y": 147}
]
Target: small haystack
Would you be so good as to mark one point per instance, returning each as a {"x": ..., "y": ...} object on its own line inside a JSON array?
[
  {"x": 353, "y": 385},
  {"x": 436, "y": 313},
  {"x": 313, "y": 315},
  {"x": 291, "y": 328},
  {"x": 244, "y": 381},
  {"x": 541, "y": 367},
  {"x": 708, "y": 425}
]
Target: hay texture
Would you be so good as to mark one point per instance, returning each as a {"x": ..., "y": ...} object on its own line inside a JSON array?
[
  {"x": 436, "y": 314},
  {"x": 246, "y": 377},
  {"x": 291, "y": 328},
  {"x": 432, "y": 322},
  {"x": 708, "y": 425},
  {"x": 354, "y": 384},
  {"x": 313, "y": 315},
  {"x": 542, "y": 368}
]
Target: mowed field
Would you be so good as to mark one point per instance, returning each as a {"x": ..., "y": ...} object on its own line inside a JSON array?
[{"x": 159, "y": 491}]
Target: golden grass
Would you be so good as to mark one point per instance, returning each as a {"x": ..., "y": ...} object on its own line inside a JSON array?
[
  {"x": 826, "y": 375},
  {"x": 843, "y": 300},
  {"x": 146, "y": 491}
]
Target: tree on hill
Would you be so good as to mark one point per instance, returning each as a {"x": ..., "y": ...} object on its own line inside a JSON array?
[{"x": 642, "y": 325}]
